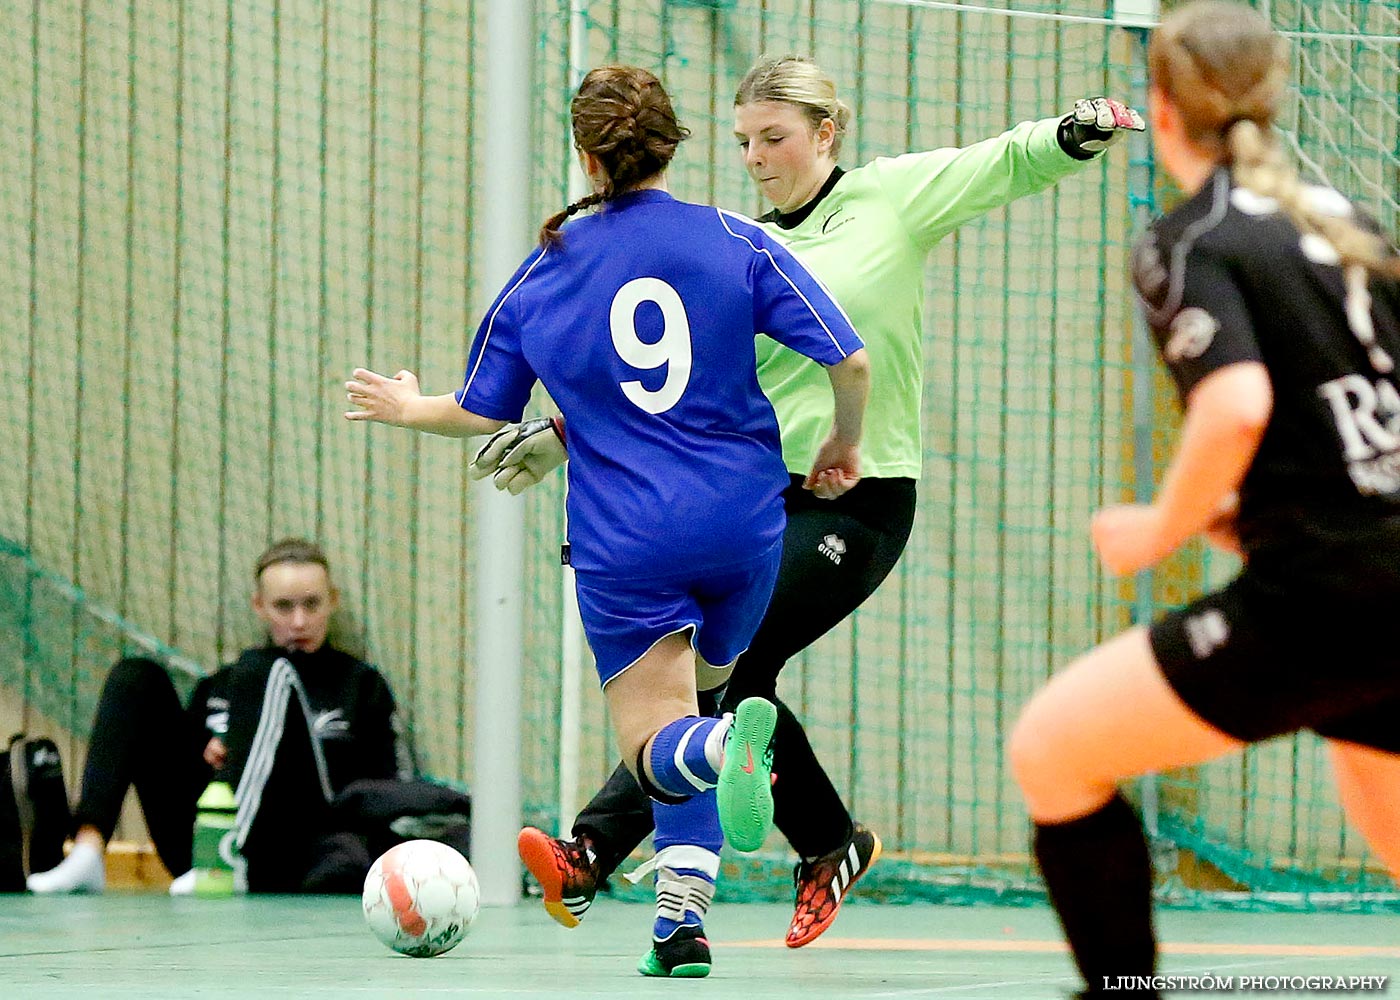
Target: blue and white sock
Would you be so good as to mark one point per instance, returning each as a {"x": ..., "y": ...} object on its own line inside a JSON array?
[
  {"x": 686, "y": 755},
  {"x": 688, "y": 839}
]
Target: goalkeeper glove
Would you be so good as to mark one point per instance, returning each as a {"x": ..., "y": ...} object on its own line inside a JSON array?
[
  {"x": 519, "y": 455},
  {"x": 1095, "y": 124}
]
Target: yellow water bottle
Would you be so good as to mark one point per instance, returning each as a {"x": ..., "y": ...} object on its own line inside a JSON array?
[{"x": 213, "y": 841}]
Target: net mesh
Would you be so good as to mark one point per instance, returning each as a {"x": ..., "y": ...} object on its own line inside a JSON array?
[{"x": 215, "y": 209}]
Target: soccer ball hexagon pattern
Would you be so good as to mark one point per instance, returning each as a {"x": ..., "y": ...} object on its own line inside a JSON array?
[{"x": 420, "y": 897}]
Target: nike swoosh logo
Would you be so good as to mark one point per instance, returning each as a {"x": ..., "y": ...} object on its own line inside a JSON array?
[
  {"x": 748, "y": 768},
  {"x": 838, "y": 225}
]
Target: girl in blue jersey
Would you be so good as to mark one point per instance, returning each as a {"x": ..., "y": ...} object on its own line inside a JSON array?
[
  {"x": 640, "y": 321},
  {"x": 867, "y": 233},
  {"x": 1276, "y": 309}
]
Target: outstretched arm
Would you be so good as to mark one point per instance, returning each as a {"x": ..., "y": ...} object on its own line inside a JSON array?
[
  {"x": 1095, "y": 124},
  {"x": 398, "y": 401},
  {"x": 936, "y": 191}
]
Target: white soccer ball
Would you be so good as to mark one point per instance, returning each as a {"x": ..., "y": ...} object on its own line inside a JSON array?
[{"x": 420, "y": 897}]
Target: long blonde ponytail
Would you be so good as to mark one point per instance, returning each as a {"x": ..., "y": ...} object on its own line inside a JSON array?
[{"x": 1225, "y": 70}]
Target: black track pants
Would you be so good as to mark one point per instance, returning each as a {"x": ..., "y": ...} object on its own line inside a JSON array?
[{"x": 143, "y": 738}]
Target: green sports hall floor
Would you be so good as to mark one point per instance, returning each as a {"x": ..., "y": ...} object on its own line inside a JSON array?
[{"x": 149, "y": 946}]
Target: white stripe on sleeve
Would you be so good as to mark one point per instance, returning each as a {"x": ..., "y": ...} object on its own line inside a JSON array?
[
  {"x": 491, "y": 321},
  {"x": 764, "y": 252}
]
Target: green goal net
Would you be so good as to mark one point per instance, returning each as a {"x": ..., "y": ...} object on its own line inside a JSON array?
[{"x": 214, "y": 209}]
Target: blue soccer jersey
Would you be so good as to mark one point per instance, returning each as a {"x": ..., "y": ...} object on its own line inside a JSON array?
[{"x": 641, "y": 325}]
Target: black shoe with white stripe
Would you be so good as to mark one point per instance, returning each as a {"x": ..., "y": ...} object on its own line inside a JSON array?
[
  {"x": 822, "y": 885},
  {"x": 567, "y": 871}
]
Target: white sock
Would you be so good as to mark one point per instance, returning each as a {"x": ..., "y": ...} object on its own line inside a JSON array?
[
  {"x": 183, "y": 885},
  {"x": 84, "y": 870},
  {"x": 717, "y": 740}
]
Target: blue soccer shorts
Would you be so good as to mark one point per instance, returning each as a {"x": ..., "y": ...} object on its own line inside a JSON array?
[{"x": 721, "y": 608}]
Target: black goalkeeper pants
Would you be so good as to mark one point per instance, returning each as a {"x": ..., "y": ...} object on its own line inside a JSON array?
[
  {"x": 142, "y": 738},
  {"x": 835, "y": 553}
]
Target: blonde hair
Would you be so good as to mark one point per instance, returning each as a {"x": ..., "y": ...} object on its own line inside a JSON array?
[
  {"x": 623, "y": 116},
  {"x": 798, "y": 81},
  {"x": 1224, "y": 69}
]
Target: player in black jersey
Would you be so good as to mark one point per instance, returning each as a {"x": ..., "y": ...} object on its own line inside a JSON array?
[{"x": 1277, "y": 311}]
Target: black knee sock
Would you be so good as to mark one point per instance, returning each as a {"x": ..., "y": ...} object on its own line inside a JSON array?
[
  {"x": 616, "y": 819},
  {"x": 1099, "y": 877}
]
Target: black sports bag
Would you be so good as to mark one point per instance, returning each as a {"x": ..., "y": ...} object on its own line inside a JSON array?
[{"x": 34, "y": 816}]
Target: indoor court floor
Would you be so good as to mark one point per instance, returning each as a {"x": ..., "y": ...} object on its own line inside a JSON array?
[{"x": 148, "y": 946}]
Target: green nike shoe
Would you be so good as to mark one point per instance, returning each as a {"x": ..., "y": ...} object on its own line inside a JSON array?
[{"x": 745, "y": 789}]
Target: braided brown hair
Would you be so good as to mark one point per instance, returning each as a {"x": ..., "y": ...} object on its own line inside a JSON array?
[{"x": 623, "y": 116}]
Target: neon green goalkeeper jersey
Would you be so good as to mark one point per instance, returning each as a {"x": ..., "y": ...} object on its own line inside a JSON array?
[{"x": 868, "y": 240}]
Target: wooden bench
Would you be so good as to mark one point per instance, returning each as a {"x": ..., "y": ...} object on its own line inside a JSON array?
[{"x": 135, "y": 867}]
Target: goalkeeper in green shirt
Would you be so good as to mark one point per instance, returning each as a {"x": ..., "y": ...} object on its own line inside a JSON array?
[{"x": 867, "y": 234}]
